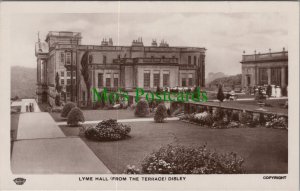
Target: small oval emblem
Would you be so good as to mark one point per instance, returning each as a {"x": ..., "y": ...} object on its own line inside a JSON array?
[{"x": 19, "y": 181}]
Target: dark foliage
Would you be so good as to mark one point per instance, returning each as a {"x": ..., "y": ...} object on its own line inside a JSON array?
[
  {"x": 67, "y": 108},
  {"x": 108, "y": 130},
  {"x": 142, "y": 109},
  {"x": 161, "y": 113},
  {"x": 75, "y": 116}
]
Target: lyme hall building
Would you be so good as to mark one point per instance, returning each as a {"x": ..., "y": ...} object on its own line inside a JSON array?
[{"x": 62, "y": 61}]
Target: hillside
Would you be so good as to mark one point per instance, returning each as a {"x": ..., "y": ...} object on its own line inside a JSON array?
[
  {"x": 212, "y": 76},
  {"x": 228, "y": 81},
  {"x": 23, "y": 82}
]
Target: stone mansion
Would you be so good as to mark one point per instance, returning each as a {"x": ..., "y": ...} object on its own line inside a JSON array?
[{"x": 60, "y": 58}]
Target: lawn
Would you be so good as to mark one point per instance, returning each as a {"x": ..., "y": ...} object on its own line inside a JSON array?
[
  {"x": 264, "y": 150},
  {"x": 93, "y": 115}
]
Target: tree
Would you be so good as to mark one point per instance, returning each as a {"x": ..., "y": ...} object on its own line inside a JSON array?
[
  {"x": 85, "y": 73},
  {"x": 220, "y": 95}
]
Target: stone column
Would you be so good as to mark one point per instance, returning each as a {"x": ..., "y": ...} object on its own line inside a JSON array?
[
  {"x": 269, "y": 76},
  {"x": 283, "y": 82}
]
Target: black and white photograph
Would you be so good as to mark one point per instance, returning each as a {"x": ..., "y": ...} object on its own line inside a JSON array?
[{"x": 128, "y": 95}]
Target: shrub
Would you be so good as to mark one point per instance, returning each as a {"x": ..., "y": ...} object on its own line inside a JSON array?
[
  {"x": 67, "y": 108},
  {"x": 57, "y": 100},
  {"x": 142, "y": 109},
  {"x": 161, "y": 113},
  {"x": 235, "y": 116},
  {"x": 74, "y": 116},
  {"x": 188, "y": 160},
  {"x": 245, "y": 118},
  {"x": 108, "y": 130},
  {"x": 276, "y": 122},
  {"x": 203, "y": 118},
  {"x": 218, "y": 114}
]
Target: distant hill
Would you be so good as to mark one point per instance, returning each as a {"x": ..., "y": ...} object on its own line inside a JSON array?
[
  {"x": 228, "y": 81},
  {"x": 211, "y": 76},
  {"x": 23, "y": 82}
]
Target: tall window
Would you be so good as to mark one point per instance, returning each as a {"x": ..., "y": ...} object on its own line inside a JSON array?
[
  {"x": 68, "y": 73},
  {"x": 183, "y": 82},
  {"x": 195, "y": 60},
  {"x": 276, "y": 76},
  {"x": 107, "y": 80},
  {"x": 100, "y": 80},
  {"x": 68, "y": 58},
  {"x": 62, "y": 74},
  {"x": 62, "y": 81},
  {"x": 156, "y": 79},
  {"x": 166, "y": 79},
  {"x": 189, "y": 60},
  {"x": 62, "y": 57},
  {"x": 191, "y": 80},
  {"x": 74, "y": 74},
  {"x": 263, "y": 76},
  {"x": 116, "y": 80},
  {"x": 104, "y": 59},
  {"x": 68, "y": 81},
  {"x": 146, "y": 79}
]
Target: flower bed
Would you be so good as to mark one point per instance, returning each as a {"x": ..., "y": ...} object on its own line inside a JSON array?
[
  {"x": 107, "y": 130},
  {"x": 236, "y": 119},
  {"x": 179, "y": 159}
]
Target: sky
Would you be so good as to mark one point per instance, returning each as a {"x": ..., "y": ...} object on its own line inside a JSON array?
[{"x": 224, "y": 35}]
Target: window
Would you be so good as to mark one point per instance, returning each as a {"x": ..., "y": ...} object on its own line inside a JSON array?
[
  {"x": 62, "y": 74},
  {"x": 100, "y": 80},
  {"x": 68, "y": 73},
  {"x": 156, "y": 79},
  {"x": 62, "y": 82},
  {"x": 183, "y": 82},
  {"x": 276, "y": 76},
  {"x": 104, "y": 59},
  {"x": 68, "y": 81},
  {"x": 107, "y": 80},
  {"x": 146, "y": 79},
  {"x": 263, "y": 76},
  {"x": 74, "y": 82},
  {"x": 163, "y": 57},
  {"x": 74, "y": 74},
  {"x": 116, "y": 80},
  {"x": 166, "y": 79},
  {"x": 191, "y": 80},
  {"x": 189, "y": 60},
  {"x": 195, "y": 60},
  {"x": 68, "y": 58},
  {"x": 62, "y": 57}
]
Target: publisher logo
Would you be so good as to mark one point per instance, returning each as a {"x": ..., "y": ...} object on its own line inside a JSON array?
[{"x": 19, "y": 181}]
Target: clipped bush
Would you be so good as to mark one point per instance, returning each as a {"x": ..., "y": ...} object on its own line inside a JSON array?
[
  {"x": 189, "y": 160},
  {"x": 108, "y": 130},
  {"x": 67, "y": 108},
  {"x": 142, "y": 109},
  {"x": 218, "y": 114},
  {"x": 161, "y": 113},
  {"x": 75, "y": 116}
]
